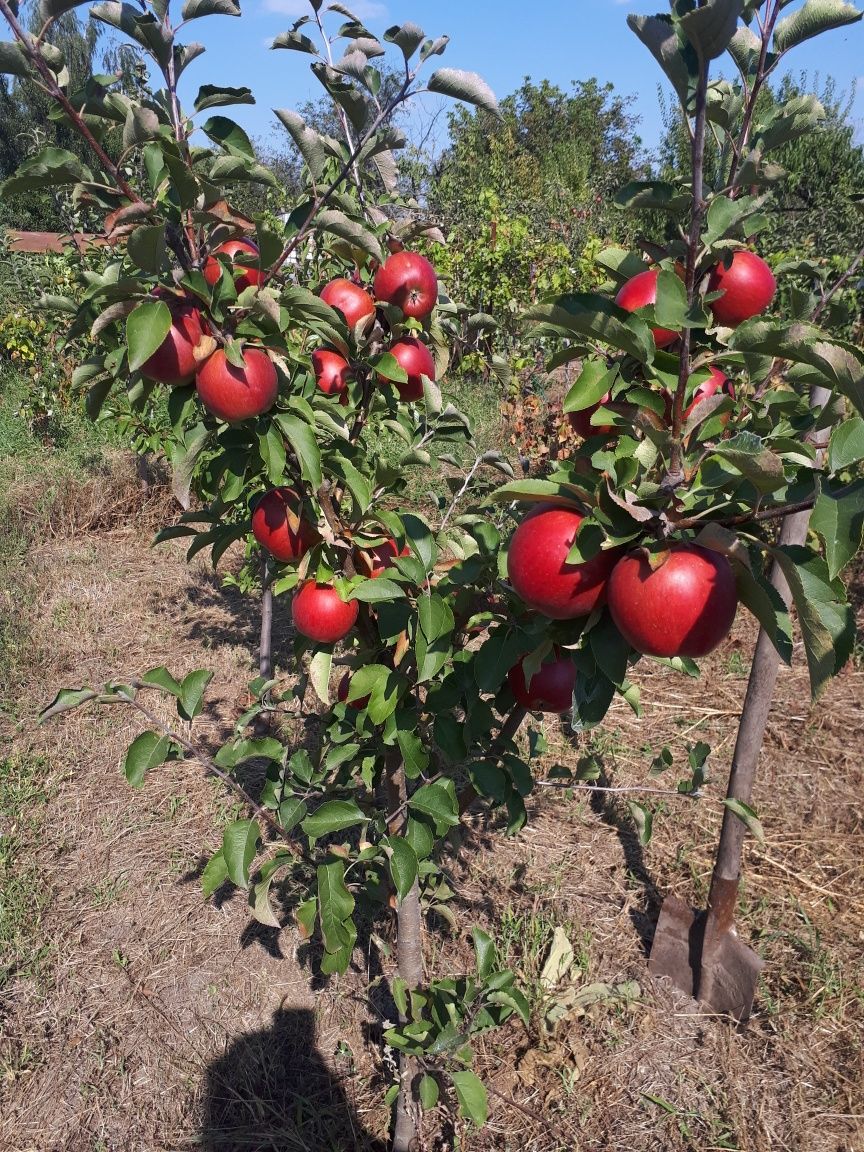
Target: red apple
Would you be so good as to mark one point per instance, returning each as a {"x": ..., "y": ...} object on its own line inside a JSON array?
[
  {"x": 243, "y": 276},
  {"x": 235, "y": 394},
  {"x": 639, "y": 291},
  {"x": 413, "y": 355},
  {"x": 173, "y": 362},
  {"x": 550, "y": 688},
  {"x": 342, "y": 694},
  {"x": 581, "y": 424},
  {"x": 684, "y": 608},
  {"x": 375, "y": 561},
  {"x": 538, "y": 570},
  {"x": 349, "y": 299},
  {"x": 715, "y": 383},
  {"x": 748, "y": 287},
  {"x": 407, "y": 280},
  {"x": 332, "y": 372},
  {"x": 320, "y": 613},
  {"x": 278, "y": 526}
]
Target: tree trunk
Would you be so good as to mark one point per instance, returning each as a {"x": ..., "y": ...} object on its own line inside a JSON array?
[{"x": 409, "y": 952}]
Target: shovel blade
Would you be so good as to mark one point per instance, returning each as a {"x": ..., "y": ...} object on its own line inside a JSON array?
[{"x": 724, "y": 976}]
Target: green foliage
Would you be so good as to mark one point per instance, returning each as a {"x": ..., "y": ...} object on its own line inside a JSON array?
[{"x": 524, "y": 199}]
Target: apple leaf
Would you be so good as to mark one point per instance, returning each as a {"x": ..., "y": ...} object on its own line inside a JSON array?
[
  {"x": 214, "y": 96},
  {"x": 711, "y": 26},
  {"x": 838, "y": 518},
  {"x": 333, "y": 816},
  {"x": 146, "y": 328},
  {"x": 847, "y": 444},
  {"x": 214, "y": 875},
  {"x": 659, "y": 35},
  {"x": 467, "y": 86},
  {"x": 239, "y": 844},
  {"x": 336, "y": 905},
  {"x": 193, "y": 9},
  {"x": 403, "y": 865},
  {"x": 812, "y": 19},
  {"x": 471, "y": 1094}
]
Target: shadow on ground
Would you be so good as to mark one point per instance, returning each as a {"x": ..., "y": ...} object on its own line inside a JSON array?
[{"x": 271, "y": 1090}]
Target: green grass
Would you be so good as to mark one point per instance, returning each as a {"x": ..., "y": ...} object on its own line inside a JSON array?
[{"x": 23, "y": 893}]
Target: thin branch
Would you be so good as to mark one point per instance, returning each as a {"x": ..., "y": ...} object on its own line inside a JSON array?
[
  {"x": 739, "y": 147},
  {"x": 213, "y": 769},
  {"x": 57, "y": 94},
  {"x": 675, "y": 474},
  {"x": 828, "y": 295}
]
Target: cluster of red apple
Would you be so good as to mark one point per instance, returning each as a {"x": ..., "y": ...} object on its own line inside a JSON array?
[
  {"x": 748, "y": 287},
  {"x": 683, "y": 607},
  {"x": 406, "y": 280},
  {"x": 234, "y": 393}
]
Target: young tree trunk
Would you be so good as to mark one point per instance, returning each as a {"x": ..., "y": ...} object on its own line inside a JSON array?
[
  {"x": 751, "y": 730},
  {"x": 265, "y": 649},
  {"x": 409, "y": 952}
]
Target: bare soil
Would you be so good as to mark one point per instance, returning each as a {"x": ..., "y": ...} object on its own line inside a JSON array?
[{"x": 157, "y": 1021}]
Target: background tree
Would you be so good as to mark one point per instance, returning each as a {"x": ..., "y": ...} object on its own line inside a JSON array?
[{"x": 526, "y": 201}]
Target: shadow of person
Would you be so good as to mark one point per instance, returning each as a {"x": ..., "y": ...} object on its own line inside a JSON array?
[{"x": 272, "y": 1092}]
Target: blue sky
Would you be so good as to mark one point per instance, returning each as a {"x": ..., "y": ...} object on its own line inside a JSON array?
[{"x": 559, "y": 40}]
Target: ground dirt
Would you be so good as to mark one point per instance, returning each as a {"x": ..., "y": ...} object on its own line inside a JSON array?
[{"x": 154, "y": 1021}]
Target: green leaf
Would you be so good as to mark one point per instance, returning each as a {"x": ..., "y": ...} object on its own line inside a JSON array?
[
  {"x": 643, "y": 818},
  {"x": 588, "y": 314},
  {"x": 146, "y": 328},
  {"x": 13, "y": 60},
  {"x": 304, "y": 444},
  {"x": 403, "y": 865},
  {"x": 228, "y": 134},
  {"x": 590, "y": 386},
  {"x": 146, "y": 751},
  {"x": 610, "y": 650},
  {"x": 319, "y": 674},
  {"x": 50, "y": 168},
  {"x": 309, "y": 143},
  {"x": 659, "y": 36},
  {"x": 651, "y": 194},
  {"x": 333, "y": 816},
  {"x": 847, "y": 444},
  {"x": 272, "y": 449},
  {"x": 374, "y": 591},
  {"x": 407, "y": 37},
  {"x": 414, "y": 755},
  {"x": 745, "y": 812},
  {"x": 239, "y": 844},
  {"x": 194, "y": 9},
  {"x": 427, "y": 1090},
  {"x": 65, "y": 700},
  {"x": 260, "y": 901},
  {"x": 161, "y": 678},
  {"x": 214, "y": 875},
  {"x": 767, "y": 605},
  {"x": 296, "y": 42},
  {"x": 826, "y": 621},
  {"x": 838, "y": 518},
  {"x": 747, "y": 453},
  {"x": 436, "y": 801},
  {"x": 215, "y": 96},
  {"x": 147, "y": 249},
  {"x": 192, "y": 693},
  {"x": 335, "y": 904},
  {"x": 471, "y": 1093},
  {"x": 467, "y": 86},
  {"x": 305, "y": 915},
  {"x": 812, "y": 19},
  {"x": 352, "y": 231},
  {"x": 711, "y": 26},
  {"x": 484, "y": 953}
]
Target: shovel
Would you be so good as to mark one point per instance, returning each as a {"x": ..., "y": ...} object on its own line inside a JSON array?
[{"x": 700, "y": 952}]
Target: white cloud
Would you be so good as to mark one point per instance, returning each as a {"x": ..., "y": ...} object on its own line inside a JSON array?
[{"x": 362, "y": 9}]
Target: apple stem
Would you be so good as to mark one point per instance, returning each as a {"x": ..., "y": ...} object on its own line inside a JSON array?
[{"x": 675, "y": 474}]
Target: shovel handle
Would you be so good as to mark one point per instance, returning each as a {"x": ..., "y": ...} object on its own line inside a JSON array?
[{"x": 751, "y": 730}]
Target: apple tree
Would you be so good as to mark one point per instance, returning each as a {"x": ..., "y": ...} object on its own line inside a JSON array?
[{"x": 298, "y": 364}]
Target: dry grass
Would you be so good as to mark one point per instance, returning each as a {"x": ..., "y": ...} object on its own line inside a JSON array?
[{"x": 159, "y": 1022}]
